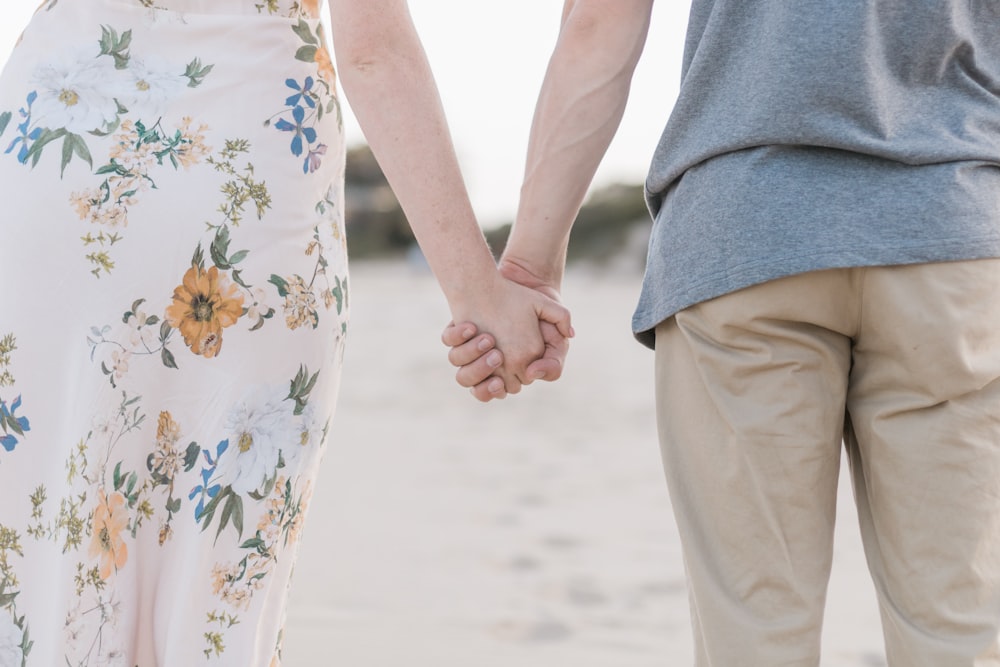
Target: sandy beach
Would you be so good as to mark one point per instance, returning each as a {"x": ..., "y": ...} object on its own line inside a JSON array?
[{"x": 534, "y": 532}]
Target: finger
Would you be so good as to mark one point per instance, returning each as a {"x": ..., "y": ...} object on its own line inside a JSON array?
[
  {"x": 456, "y": 334},
  {"x": 491, "y": 389},
  {"x": 550, "y": 366},
  {"x": 466, "y": 353},
  {"x": 545, "y": 369},
  {"x": 555, "y": 313},
  {"x": 481, "y": 368},
  {"x": 511, "y": 382}
]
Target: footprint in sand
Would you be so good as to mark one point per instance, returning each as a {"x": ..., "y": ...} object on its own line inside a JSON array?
[
  {"x": 585, "y": 593},
  {"x": 562, "y": 542},
  {"x": 525, "y": 563},
  {"x": 541, "y": 631}
]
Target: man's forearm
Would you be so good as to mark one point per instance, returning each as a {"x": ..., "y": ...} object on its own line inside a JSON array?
[{"x": 579, "y": 109}]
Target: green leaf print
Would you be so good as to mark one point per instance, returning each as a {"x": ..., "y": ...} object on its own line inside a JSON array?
[
  {"x": 301, "y": 387},
  {"x": 191, "y": 456},
  {"x": 340, "y": 294},
  {"x": 45, "y": 138},
  {"x": 219, "y": 249},
  {"x": 167, "y": 357},
  {"x": 7, "y": 345},
  {"x": 232, "y": 512},
  {"x": 73, "y": 144},
  {"x": 280, "y": 283},
  {"x": 306, "y": 54},
  {"x": 4, "y": 121},
  {"x": 196, "y": 72},
  {"x": 305, "y": 33},
  {"x": 115, "y": 46}
]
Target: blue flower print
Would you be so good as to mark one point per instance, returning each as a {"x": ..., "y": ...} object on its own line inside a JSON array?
[
  {"x": 206, "y": 489},
  {"x": 314, "y": 159},
  {"x": 11, "y": 424},
  {"x": 308, "y": 133},
  {"x": 26, "y": 135},
  {"x": 303, "y": 93}
]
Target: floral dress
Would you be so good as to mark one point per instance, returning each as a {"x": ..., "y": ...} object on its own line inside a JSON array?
[{"x": 173, "y": 306}]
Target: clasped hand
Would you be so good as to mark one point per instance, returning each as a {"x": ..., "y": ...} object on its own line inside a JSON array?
[{"x": 518, "y": 334}]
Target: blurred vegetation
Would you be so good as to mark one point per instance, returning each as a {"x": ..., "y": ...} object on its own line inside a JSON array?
[{"x": 613, "y": 220}]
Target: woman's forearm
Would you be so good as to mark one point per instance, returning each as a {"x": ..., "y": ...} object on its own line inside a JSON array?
[
  {"x": 387, "y": 78},
  {"x": 579, "y": 109}
]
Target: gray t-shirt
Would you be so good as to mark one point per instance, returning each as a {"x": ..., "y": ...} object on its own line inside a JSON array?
[{"x": 811, "y": 134}]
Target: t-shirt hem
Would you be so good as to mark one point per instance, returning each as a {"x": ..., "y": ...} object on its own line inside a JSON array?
[{"x": 646, "y": 319}]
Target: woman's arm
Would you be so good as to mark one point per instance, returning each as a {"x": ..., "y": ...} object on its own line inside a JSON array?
[{"x": 389, "y": 85}]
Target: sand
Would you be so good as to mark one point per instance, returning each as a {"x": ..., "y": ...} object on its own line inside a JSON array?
[{"x": 534, "y": 532}]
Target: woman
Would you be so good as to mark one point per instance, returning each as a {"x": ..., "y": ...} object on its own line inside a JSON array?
[{"x": 175, "y": 299}]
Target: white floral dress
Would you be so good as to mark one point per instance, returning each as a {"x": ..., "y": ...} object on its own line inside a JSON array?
[{"x": 173, "y": 306}]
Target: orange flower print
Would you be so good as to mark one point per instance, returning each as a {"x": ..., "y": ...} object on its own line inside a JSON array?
[
  {"x": 310, "y": 8},
  {"x": 204, "y": 304},
  {"x": 325, "y": 63},
  {"x": 110, "y": 519}
]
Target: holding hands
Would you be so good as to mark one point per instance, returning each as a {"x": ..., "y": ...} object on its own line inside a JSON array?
[
  {"x": 512, "y": 329},
  {"x": 579, "y": 109},
  {"x": 532, "y": 337}
]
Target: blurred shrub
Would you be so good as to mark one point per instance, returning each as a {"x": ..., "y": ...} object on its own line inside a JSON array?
[{"x": 609, "y": 223}]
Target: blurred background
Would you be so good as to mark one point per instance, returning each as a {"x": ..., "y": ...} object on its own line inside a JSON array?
[{"x": 534, "y": 532}]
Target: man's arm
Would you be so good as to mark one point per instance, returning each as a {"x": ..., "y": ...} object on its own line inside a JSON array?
[
  {"x": 578, "y": 112},
  {"x": 579, "y": 109}
]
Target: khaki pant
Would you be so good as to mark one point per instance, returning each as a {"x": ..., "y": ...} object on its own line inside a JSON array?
[{"x": 756, "y": 391}]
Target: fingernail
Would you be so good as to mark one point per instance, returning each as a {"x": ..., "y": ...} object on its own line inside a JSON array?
[
  {"x": 495, "y": 386},
  {"x": 484, "y": 344},
  {"x": 494, "y": 359},
  {"x": 538, "y": 375},
  {"x": 468, "y": 332}
]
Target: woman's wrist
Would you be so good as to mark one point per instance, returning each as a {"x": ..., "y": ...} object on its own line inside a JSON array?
[{"x": 472, "y": 287}]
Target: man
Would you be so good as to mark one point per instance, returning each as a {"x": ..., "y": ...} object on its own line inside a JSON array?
[{"x": 822, "y": 268}]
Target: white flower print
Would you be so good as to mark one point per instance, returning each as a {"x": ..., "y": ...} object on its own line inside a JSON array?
[
  {"x": 329, "y": 238},
  {"x": 309, "y": 433},
  {"x": 74, "y": 624},
  {"x": 75, "y": 94},
  {"x": 119, "y": 363},
  {"x": 259, "y": 307},
  {"x": 258, "y": 428},
  {"x": 10, "y": 641},
  {"x": 111, "y": 609},
  {"x": 148, "y": 84},
  {"x": 114, "y": 657},
  {"x": 141, "y": 335}
]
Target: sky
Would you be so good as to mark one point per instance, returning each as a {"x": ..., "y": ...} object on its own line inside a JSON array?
[{"x": 489, "y": 59}]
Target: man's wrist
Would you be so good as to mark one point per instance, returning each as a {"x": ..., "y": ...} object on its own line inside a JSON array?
[{"x": 545, "y": 276}]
